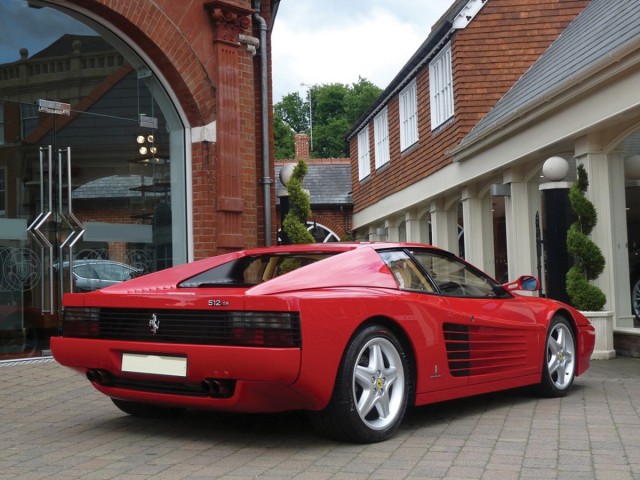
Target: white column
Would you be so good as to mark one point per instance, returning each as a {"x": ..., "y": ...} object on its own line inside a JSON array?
[
  {"x": 520, "y": 211},
  {"x": 478, "y": 230},
  {"x": 413, "y": 226},
  {"x": 444, "y": 226},
  {"x": 392, "y": 230},
  {"x": 607, "y": 192}
]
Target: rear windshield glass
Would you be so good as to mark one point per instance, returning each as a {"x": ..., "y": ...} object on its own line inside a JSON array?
[{"x": 252, "y": 270}]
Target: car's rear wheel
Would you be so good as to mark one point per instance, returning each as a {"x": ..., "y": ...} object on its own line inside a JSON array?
[
  {"x": 372, "y": 389},
  {"x": 559, "y": 367},
  {"x": 146, "y": 410}
]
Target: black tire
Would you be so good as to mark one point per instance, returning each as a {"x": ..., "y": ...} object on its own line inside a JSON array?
[
  {"x": 372, "y": 389},
  {"x": 146, "y": 410},
  {"x": 559, "y": 360}
]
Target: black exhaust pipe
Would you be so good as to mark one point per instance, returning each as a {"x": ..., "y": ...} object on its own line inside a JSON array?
[
  {"x": 101, "y": 377},
  {"x": 218, "y": 388}
]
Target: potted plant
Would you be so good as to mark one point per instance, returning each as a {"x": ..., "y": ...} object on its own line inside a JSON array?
[{"x": 588, "y": 265}]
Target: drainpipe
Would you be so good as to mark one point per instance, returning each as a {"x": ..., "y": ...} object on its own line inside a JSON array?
[{"x": 264, "y": 114}]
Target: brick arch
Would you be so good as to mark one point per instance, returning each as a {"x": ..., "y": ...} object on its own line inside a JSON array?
[
  {"x": 329, "y": 223},
  {"x": 171, "y": 43}
]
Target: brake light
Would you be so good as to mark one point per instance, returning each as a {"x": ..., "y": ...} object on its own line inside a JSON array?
[
  {"x": 269, "y": 329},
  {"x": 81, "y": 322}
]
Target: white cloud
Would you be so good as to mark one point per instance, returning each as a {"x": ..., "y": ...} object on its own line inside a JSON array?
[{"x": 333, "y": 41}]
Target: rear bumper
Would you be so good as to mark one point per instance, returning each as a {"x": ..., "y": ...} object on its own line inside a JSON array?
[{"x": 261, "y": 377}]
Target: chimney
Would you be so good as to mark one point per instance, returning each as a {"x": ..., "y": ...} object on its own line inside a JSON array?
[{"x": 302, "y": 146}]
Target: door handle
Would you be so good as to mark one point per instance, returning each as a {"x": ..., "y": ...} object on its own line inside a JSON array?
[
  {"x": 39, "y": 236},
  {"x": 77, "y": 229}
]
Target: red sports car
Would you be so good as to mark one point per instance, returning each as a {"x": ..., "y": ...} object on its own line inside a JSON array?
[{"x": 353, "y": 333}]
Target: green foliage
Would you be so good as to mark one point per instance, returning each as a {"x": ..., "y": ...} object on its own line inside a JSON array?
[
  {"x": 335, "y": 107},
  {"x": 589, "y": 261},
  {"x": 283, "y": 137},
  {"x": 329, "y": 138},
  {"x": 293, "y": 111},
  {"x": 359, "y": 98},
  {"x": 295, "y": 222}
]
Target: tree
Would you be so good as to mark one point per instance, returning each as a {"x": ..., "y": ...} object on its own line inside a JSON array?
[
  {"x": 359, "y": 98},
  {"x": 283, "y": 137},
  {"x": 589, "y": 261},
  {"x": 295, "y": 222},
  {"x": 335, "y": 107}
]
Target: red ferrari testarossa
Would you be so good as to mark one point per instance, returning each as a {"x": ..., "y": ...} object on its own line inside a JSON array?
[{"x": 352, "y": 332}]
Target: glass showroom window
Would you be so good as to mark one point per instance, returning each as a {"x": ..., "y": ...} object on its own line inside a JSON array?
[
  {"x": 408, "y": 116},
  {"x": 381, "y": 137}
]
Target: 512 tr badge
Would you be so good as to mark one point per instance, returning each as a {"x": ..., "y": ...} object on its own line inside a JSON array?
[{"x": 218, "y": 303}]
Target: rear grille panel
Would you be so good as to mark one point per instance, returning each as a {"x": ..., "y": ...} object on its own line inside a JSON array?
[{"x": 195, "y": 327}]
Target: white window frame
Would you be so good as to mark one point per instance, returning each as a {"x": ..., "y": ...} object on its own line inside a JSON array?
[
  {"x": 441, "y": 87},
  {"x": 364, "y": 161},
  {"x": 408, "y": 103},
  {"x": 381, "y": 138}
]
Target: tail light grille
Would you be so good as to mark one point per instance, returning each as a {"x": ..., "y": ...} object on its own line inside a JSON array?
[{"x": 198, "y": 327}]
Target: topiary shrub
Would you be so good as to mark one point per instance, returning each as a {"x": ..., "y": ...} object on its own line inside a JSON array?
[
  {"x": 295, "y": 222},
  {"x": 589, "y": 261}
]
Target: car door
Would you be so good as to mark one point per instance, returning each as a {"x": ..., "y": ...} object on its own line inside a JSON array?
[
  {"x": 433, "y": 310},
  {"x": 488, "y": 338}
]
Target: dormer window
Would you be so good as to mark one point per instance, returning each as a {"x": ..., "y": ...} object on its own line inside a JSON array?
[
  {"x": 441, "y": 88},
  {"x": 408, "y": 100},
  {"x": 364, "y": 166},
  {"x": 381, "y": 138}
]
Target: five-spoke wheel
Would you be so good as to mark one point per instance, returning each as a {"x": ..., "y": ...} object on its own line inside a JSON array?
[
  {"x": 559, "y": 368},
  {"x": 372, "y": 389}
]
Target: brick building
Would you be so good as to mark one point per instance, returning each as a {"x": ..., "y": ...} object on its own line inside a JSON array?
[
  {"x": 454, "y": 150},
  {"x": 135, "y": 132}
]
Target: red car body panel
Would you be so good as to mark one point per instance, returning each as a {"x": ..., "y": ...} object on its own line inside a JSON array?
[{"x": 334, "y": 297}]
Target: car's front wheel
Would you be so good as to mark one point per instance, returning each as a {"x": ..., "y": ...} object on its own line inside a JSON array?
[
  {"x": 559, "y": 366},
  {"x": 372, "y": 389},
  {"x": 145, "y": 410}
]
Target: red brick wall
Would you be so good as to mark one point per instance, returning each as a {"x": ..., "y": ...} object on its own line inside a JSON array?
[{"x": 488, "y": 57}]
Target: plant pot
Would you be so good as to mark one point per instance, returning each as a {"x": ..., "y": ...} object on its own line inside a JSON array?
[{"x": 603, "y": 323}]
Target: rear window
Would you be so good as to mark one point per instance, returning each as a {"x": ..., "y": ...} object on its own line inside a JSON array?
[{"x": 252, "y": 270}]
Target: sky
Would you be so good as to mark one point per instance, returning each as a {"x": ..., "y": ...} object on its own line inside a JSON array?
[{"x": 338, "y": 41}]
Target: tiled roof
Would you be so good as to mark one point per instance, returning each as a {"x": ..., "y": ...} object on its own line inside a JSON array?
[
  {"x": 591, "y": 40},
  {"x": 327, "y": 183}
]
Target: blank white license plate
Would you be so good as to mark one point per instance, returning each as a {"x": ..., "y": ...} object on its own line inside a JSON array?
[{"x": 154, "y": 364}]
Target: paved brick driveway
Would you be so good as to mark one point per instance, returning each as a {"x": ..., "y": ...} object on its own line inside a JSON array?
[{"x": 53, "y": 425}]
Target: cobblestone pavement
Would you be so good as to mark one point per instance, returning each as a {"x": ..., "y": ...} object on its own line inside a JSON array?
[{"x": 54, "y": 425}]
